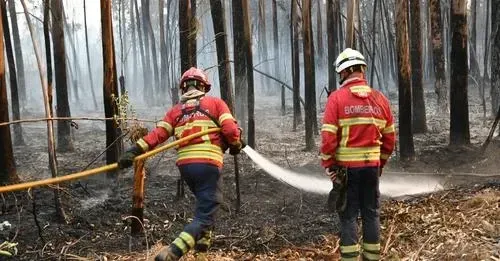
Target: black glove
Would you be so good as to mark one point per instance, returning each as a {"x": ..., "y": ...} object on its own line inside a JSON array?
[
  {"x": 127, "y": 159},
  {"x": 236, "y": 149}
]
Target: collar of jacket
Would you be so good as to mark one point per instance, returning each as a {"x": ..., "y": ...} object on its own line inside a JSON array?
[
  {"x": 192, "y": 94},
  {"x": 354, "y": 82}
]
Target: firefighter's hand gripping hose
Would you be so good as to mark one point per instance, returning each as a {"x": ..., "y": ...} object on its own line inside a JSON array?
[{"x": 103, "y": 169}]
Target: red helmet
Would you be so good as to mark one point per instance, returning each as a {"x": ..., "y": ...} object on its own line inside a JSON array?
[{"x": 195, "y": 74}]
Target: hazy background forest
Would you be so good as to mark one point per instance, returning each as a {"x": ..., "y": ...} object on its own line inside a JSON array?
[{"x": 272, "y": 61}]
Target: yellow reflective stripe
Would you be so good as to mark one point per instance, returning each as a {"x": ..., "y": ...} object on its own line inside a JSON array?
[
  {"x": 371, "y": 256},
  {"x": 187, "y": 238},
  {"x": 345, "y": 136},
  {"x": 361, "y": 88},
  {"x": 166, "y": 126},
  {"x": 357, "y": 157},
  {"x": 362, "y": 120},
  {"x": 371, "y": 247},
  {"x": 196, "y": 123},
  {"x": 178, "y": 242},
  {"x": 329, "y": 128},
  {"x": 389, "y": 129},
  {"x": 225, "y": 116},
  {"x": 384, "y": 156},
  {"x": 143, "y": 144},
  {"x": 201, "y": 147},
  {"x": 349, "y": 258},
  {"x": 325, "y": 156},
  {"x": 349, "y": 249},
  {"x": 358, "y": 150},
  {"x": 200, "y": 154}
]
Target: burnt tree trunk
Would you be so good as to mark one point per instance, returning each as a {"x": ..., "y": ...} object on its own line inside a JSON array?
[
  {"x": 219, "y": 23},
  {"x": 64, "y": 141},
  {"x": 374, "y": 38},
  {"x": 352, "y": 20},
  {"x": 440, "y": 85},
  {"x": 149, "y": 26},
  {"x": 294, "y": 39},
  {"x": 309, "y": 75},
  {"x": 277, "y": 54},
  {"x": 319, "y": 32},
  {"x": 419, "y": 118},
  {"x": 406, "y": 147},
  {"x": 110, "y": 85},
  {"x": 332, "y": 32},
  {"x": 18, "y": 50},
  {"x": 186, "y": 36},
  {"x": 163, "y": 51},
  {"x": 145, "y": 72},
  {"x": 240, "y": 74},
  {"x": 14, "y": 91},
  {"x": 148, "y": 79},
  {"x": 249, "y": 71},
  {"x": 7, "y": 162},
  {"x": 459, "y": 104},
  {"x": 495, "y": 56},
  {"x": 133, "y": 39}
]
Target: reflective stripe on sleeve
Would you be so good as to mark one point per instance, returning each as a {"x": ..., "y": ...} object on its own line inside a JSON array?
[
  {"x": 329, "y": 128},
  {"x": 143, "y": 144},
  {"x": 384, "y": 156},
  {"x": 325, "y": 156},
  {"x": 225, "y": 116},
  {"x": 389, "y": 129},
  {"x": 166, "y": 126}
]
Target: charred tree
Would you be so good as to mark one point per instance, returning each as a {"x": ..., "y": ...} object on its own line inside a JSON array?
[
  {"x": 18, "y": 52},
  {"x": 153, "y": 49},
  {"x": 262, "y": 47},
  {"x": 277, "y": 54},
  {"x": 240, "y": 73},
  {"x": 309, "y": 75},
  {"x": 47, "y": 100},
  {"x": 148, "y": 79},
  {"x": 419, "y": 118},
  {"x": 249, "y": 71},
  {"x": 459, "y": 104},
  {"x": 64, "y": 141},
  {"x": 294, "y": 39},
  {"x": 473, "y": 52},
  {"x": 91, "y": 80},
  {"x": 332, "y": 32},
  {"x": 406, "y": 147},
  {"x": 374, "y": 38},
  {"x": 110, "y": 86},
  {"x": 440, "y": 86},
  {"x": 219, "y": 23},
  {"x": 187, "y": 35},
  {"x": 14, "y": 91},
  {"x": 319, "y": 31},
  {"x": 163, "y": 51},
  {"x": 7, "y": 162},
  {"x": 145, "y": 72},
  {"x": 133, "y": 40},
  {"x": 352, "y": 20},
  {"x": 495, "y": 57}
]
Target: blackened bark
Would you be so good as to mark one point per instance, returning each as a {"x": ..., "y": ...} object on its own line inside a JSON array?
[
  {"x": 407, "y": 149},
  {"x": 91, "y": 80},
  {"x": 419, "y": 118},
  {"x": 309, "y": 75},
  {"x": 294, "y": 38},
  {"x": 495, "y": 56},
  {"x": 163, "y": 51},
  {"x": 64, "y": 141},
  {"x": 332, "y": 32},
  {"x": 187, "y": 35},
  {"x": 459, "y": 104},
  {"x": 14, "y": 92},
  {"x": 219, "y": 23},
  {"x": 145, "y": 72},
  {"x": 7, "y": 163},
  {"x": 110, "y": 86},
  {"x": 440, "y": 85},
  {"x": 148, "y": 79},
  {"x": 277, "y": 54},
  {"x": 18, "y": 52},
  {"x": 240, "y": 74},
  {"x": 154, "y": 57},
  {"x": 249, "y": 71}
]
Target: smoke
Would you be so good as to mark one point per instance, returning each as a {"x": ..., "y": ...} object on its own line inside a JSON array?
[{"x": 391, "y": 186}]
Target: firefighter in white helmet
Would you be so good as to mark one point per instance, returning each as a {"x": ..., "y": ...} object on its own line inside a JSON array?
[{"x": 357, "y": 139}]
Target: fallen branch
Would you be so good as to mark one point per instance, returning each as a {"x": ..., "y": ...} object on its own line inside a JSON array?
[{"x": 279, "y": 81}]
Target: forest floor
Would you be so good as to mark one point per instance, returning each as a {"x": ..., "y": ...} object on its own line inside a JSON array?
[{"x": 276, "y": 221}]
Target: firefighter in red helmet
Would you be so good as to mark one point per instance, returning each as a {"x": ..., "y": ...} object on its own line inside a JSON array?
[{"x": 199, "y": 160}]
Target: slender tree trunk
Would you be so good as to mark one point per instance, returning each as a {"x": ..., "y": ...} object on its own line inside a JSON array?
[
  {"x": 47, "y": 100},
  {"x": 374, "y": 37},
  {"x": 352, "y": 20},
  {"x": 390, "y": 38},
  {"x": 262, "y": 47},
  {"x": 148, "y": 79},
  {"x": 7, "y": 162},
  {"x": 153, "y": 50},
  {"x": 419, "y": 118},
  {"x": 249, "y": 70},
  {"x": 91, "y": 80},
  {"x": 332, "y": 32},
  {"x": 495, "y": 56},
  {"x": 219, "y": 23},
  {"x": 309, "y": 75},
  {"x": 18, "y": 52},
  {"x": 240, "y": 74},
  {"x": 473, "y": 52},
  {"x": 186, "y": 36},
  {"x": 459, "y": 104},
  {"x": 14, "y": 92},
  {"x": 133, "y": 39},
  {"x": 407, "y": 149},
  {"x": 319, "y": 31},
  {"x": 163, "y": 50},
  {"x": 294, "y": 38},
  {"x": 110, "y": 86},
  {"x": 64, "y": 141},
  {"x": 277, "y": 54},
  {"x": 193, "y": 34},
  {"x": 440, "y": 85},
  {"x": 145, "y": 72},
  {"x": 487, "y": 44}
]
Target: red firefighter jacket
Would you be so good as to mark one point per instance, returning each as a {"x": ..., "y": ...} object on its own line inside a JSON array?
[
  {"x": 358, "y": 127},
  {"x": 191, "y": 117}
]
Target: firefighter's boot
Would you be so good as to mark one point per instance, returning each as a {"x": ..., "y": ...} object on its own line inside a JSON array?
[
  {"x": 202, "y": 246},
  {"x": 166, "y": 254}
]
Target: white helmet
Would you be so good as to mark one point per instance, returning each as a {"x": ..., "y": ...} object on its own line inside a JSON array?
[{"x": 348, "y": 58}]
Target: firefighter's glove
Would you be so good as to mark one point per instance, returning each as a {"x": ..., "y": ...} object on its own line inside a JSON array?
[
  {"x": 332, "y": 172},
  {"x": 127, "y": 159},
  {"x": 380, "y": 169},
  {"x": 235, "y": 149}
]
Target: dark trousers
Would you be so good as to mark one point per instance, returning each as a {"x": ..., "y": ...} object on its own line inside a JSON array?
[
  {"x": 362, "y": 198},
  {"x": 203, "y": 181}
]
